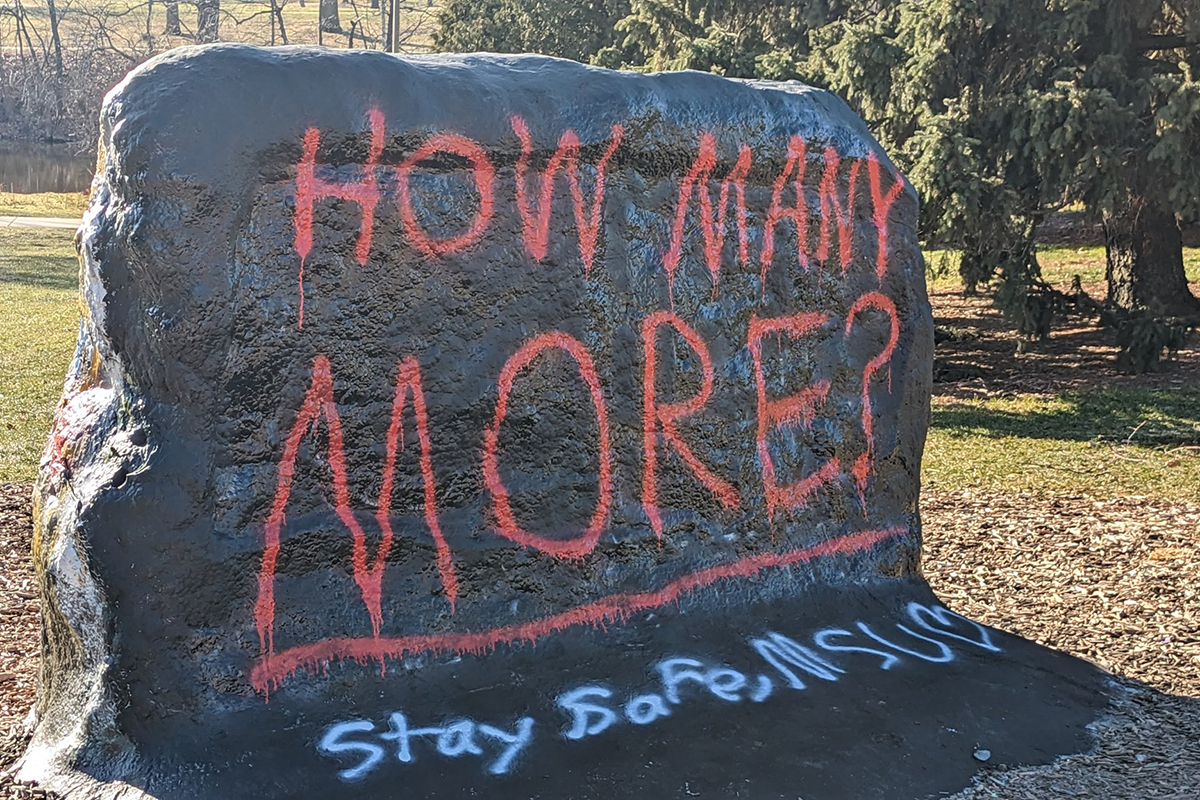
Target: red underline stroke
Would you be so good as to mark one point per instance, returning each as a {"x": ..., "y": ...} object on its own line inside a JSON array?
[{"x": 270, "y": 672}]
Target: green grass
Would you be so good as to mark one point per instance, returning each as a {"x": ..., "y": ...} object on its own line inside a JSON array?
[
  {"x": 1059, "y": 265},
  {"x": 39, "y": 320},
  {"x": 1103, "y": 442},
  {"x": 43, "y": 204}
]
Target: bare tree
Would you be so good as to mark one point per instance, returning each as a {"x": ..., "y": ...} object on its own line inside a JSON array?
[
  {"x": 208, "y": 20},
  {"x": 277, "y": 19},
  {"x": 57, "y": 65},
  {"x": 329, "y": 19},
  {"x": 172, "y": 28},
  {"x": 55, "y": 39}
]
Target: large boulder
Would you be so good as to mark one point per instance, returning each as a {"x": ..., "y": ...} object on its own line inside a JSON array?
[{"x": 499, "y": 426}]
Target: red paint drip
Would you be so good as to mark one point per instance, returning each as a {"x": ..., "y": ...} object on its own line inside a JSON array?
[
  {"x": 668, "y": 415},
  {"x": 862, "y": 472},
  {"x": 536, "y": 225},
  {"x": 319, "y": 403},
  {"x": 800, "y": 408},
  {"x": 272, "y": 670},
  {"x": 797, "y": 163},
  {"x": 883, "y": 208},
  {"x": 305, "y": 193},
  {"x": 712, "y": 226},
  {"x": 833, "y": 208},
  {"x": 408, "y": 380},
  {"x": 506, "y": 523},
  {"x": 484, "y": 174},
  {"x": 310, "y": 189},
  {"x": 882, "y": 303},
  {"x": 300, "y": 291}
]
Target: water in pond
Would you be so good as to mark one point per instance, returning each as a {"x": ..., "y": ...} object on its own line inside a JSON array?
[{"x": 28, "y": 167}]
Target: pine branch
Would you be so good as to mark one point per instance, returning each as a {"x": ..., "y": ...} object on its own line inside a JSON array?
[{"x": 1164, "y": 41}]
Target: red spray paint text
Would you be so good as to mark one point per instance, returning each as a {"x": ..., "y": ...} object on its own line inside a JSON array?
[{"x": 661, "y": 434}]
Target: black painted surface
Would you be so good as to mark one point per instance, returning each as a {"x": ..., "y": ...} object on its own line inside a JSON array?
[
  {"x": 157, "y": 490},
  {"x": 909, "y": 731}
]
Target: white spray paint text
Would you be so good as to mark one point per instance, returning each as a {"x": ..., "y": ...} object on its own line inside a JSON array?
[
  {"x": 594, "y": 708},
  {"x": 458, "y": 738}
]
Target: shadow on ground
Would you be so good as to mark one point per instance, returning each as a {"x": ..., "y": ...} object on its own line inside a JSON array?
[
  {"x": 1134, "y": 416},
  {"x": 45, "y": 273}
]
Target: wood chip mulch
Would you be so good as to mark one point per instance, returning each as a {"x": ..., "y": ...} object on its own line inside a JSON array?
[
  {"x": 1113, "y": 581},
  {"x": 20, "y": 635},
  {"x": 1116, "y": 582}
]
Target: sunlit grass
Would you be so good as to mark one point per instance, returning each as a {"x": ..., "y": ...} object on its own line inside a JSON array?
[
  {"x": 39, "y": 320},
  {"x": 1059, "y": 266},
  {"x": 43, "y": 204},
  {"x": 1103, "y": 442}
]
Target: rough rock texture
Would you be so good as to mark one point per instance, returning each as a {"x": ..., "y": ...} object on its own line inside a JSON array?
[{"x": 470, "y": 425}]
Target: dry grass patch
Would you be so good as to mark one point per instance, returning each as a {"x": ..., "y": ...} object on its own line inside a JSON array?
[{"x": 69, "y": 205}]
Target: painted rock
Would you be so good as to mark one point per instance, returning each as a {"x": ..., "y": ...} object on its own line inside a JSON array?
[{"x": 496, "y": 425}]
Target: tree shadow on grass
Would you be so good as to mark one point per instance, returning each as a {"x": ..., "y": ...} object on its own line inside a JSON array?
[
  {"x": 1136, "y": 416},
  {"x": 44, "y": 273}
]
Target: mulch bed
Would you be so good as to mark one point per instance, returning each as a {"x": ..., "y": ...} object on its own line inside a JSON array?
[
  {"x": 20, "y": 635},
  {"x": 1116, "y": 582}
]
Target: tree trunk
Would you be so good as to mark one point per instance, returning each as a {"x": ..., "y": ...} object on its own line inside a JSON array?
[
  {"x": 55, "y": 40},
  {"x": 330, "y": 21},
  {"x": 60, "y": 108},
  {"x": 388, "y": 17},
  {"x": 172, "y": 28},
  {"x": 1144, "y": 251},
  {"x": 208, "y": 20},
  {"x": 23, "y": 31},
  {"x": 277, "y": 13}
]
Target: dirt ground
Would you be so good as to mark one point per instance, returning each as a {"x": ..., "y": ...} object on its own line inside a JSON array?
[
  {"x": 1114, "y": 581},
  {"x": 977, "y": 353}
]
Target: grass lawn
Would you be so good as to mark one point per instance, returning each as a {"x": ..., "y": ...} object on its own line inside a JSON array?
[
  {"x": 44, "y": 204},
  {"x": 39, "y": 320},
  {"x": 1059, "y": 265},
  {"x": 1107, "y": 442},
  {"x": 1104, "y": 442}
]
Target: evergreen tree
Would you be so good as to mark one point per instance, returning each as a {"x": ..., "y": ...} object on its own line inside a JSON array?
[
  {"x": 575, "y": 29},
  {"x": 1000, "y": 111},
  {"x": 1005, "y": 110},
  {"x": 736, "y": 38}
]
